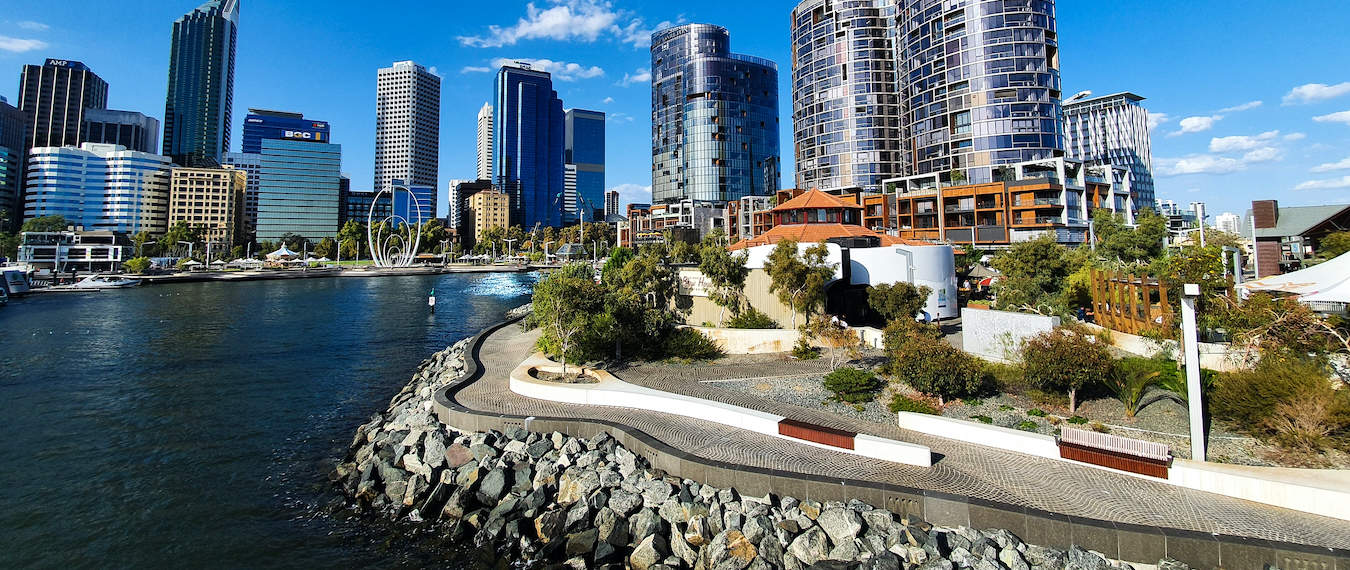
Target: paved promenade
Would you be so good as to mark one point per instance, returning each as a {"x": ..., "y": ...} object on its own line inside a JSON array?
[{"x": 959, "y": 468}]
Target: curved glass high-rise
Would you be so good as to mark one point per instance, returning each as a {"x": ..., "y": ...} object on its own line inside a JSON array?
[
  {"x": 981, "y": 84},
  {"x": 846, "y": 109},
  {"x": 714, "y": 118},
  {"x": 201, "y": 84}
]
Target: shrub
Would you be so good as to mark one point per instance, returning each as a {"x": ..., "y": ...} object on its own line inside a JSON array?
[
  {"x": 1028, "y": 425},
  {"x": 1037, "y": 412},
  {"x": 1064, "y": 360},
  {"x": 751, "y": 318},
  {"x": 137, "y": 265},
  {"x": 804, "y": 351},
  {"x": 1004, "y": 408},
  {"x": 1288, "y": 401},
  {"x": 853, "y": 385},
  {"x": 1099, "y": 427},
  {"x": 982, "y": 419},
  {"x": 931, "y": 365},
  {"x": 1130, "y": 380},
  {"x": 1048, "y": 399},
  {"x": 974, "y": 402},
  {"x": 900, "y": 403},
  {"x": 691, "y": 344},
  {"x": 1077, "y": 420},
  {"x": 1305, "y": 423}
]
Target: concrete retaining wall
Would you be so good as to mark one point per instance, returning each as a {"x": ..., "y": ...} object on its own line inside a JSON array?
[
  {"x": 1213, "y": 356},
  {"x": 1040, "y": 445},
  {"x": 997, "y": 335},
  {"x": 752, "y": 341}
]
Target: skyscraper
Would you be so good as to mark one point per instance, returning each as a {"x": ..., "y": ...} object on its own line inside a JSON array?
[
  {"x": 611, "y": 203},
  {"x": 485, "y": 142},
  {"x": 407, "y": 126},
  {"x": 211, "y": 199},
  {"x": 251, "y": 164},
  {"x": 1112, "y": 129},
  {"x": 130, "y": 129},
  {"x": 201, "y": 84},
  {"x": 714, "y": 118},
  {"x": 13, "y": 123},
  {"x": 267, "y": 124},
  {"x": 298, "y": 189},
  {"x": 55, "y": 96},
  {"x": 584, "y": 150},
  {"x": 980, "y": 81},
  {"x": 99, "y": 186},
  {"x": 846, "y": 107},
  {"x": 527, "y": 150}
]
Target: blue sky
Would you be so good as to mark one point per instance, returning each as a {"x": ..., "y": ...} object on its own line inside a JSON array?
[{"x": 1250, "y": 103}]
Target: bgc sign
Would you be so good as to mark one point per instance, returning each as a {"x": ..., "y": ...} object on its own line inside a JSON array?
[{"x": 316, "y": 135}]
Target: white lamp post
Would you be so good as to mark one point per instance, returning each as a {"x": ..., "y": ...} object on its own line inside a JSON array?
[{"x": 1194, "y": 393}]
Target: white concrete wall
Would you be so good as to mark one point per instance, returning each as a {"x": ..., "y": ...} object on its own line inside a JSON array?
[
  {"x": 1213, "y": 356},
  {"x": 998, "y": 335},
  {"x": 752, "y": 341},
  {"x": 1040, "y": 445}
]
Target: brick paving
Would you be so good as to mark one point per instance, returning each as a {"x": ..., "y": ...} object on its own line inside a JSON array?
[{"x": 961, "y": 468}]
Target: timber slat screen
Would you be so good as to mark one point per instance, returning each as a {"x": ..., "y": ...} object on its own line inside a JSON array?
[
  {"x": 1125, "y": 454},
  {"x": 1129, "y": 304},
  {"x": 818, "y": 434}
]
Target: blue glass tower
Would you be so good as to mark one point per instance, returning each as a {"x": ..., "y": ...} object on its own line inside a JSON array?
[
  {"x": 404, "y": 207},
  {"x": 584, "y": 148},
  {"x": 201, "y": 84},
  {"x": 527, "y": 154},
  {"x": 264, "y": 124},
  {"x": 298, "y": 189}
]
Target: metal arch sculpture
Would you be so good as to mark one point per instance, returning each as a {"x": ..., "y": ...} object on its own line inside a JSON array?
[{"x": 394, "y": 240}]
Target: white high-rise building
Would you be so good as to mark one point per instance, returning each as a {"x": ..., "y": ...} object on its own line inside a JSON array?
[
  {"x": 485, "y": 142},
  {"x": 1228, "y": 222},
  {"x": 407, "y": 126},
  {"x": 1112, "y": 129},
  {"x": 100, "y": 187},
  {"x": 569, "y": 196}
]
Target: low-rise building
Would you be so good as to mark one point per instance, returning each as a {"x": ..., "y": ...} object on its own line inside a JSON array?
[
  {"x": 488, "y": 209},
  {"x": 1286, "y": 236},
  {"x": 76, "y": 250},
  {"x": 211, "y": 199}
]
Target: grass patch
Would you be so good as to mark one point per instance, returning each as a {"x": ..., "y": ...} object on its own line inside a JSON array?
[
  {"x": 1028, "y": 425},
  {"x": 1005, "y": 408},
  {"x": 1077, "y": 420},
  {"x": 982, "y": 419},
  {"x": 1036, "y": 412},
  {"x": 901, "y": 403}
]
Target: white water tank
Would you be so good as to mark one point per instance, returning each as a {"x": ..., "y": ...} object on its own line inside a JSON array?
[{"x": 932, "y": 266}]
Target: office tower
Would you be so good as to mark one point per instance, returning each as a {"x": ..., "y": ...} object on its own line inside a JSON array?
[
  {"x": 846, "y": 107},
  {"x": 460, "y": 219},
  {"x": 527, "y": 151},
  {"x": 488, "y": 209},
  {"x": 1112, "y": 129},
  {"x": 201, "y": 84},
  {"x": 714, "y": 118},
  {"x": 251, "y": 164},
  {"x": 485, "y": 142},
  {"x": 416, "y": 206},
  {"x": 407, "y": 125},
  {"x": 263, "y": 124},
  {"x": 584, "y": 150},
  {"x": 356, "y": 207},
  {"x": 570, "y": 210},
  {"x": 298, "y": 185},
  {"x": 1228, "y": 222},
  {"x": 611, "y": 203},
  {"x": 130, "y": 129},
  {"x": 55, "y": 96},
  {"x": 981, "y": 85},
  {"x": 13, "y": 125},
  {"x": 211, "y": 199},
  {"x": 100, "y": 187}
]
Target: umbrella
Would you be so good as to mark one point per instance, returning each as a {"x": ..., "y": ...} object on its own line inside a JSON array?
[
  {"x": 283, "y": 253},
  {"x": 191, "y": 264},
  {"x": 323, "y": 260},
  {"x": 218, "y": 262}
]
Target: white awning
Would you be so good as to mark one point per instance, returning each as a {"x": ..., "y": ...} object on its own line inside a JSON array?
[{"x": 1327, "y": 282}]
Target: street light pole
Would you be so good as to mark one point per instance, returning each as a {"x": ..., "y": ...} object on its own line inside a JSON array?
[{"x": 1194, "y": 393}]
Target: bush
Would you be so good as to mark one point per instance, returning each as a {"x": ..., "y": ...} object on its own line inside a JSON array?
[
  {"x": 931, "y": 365},
  {"x": 1037, "y": 412},
  {"x": 1028, "y": 425},
  {"x": 1306, "y": 422},
  {"x": 853, "y": 385},
  {"x": 974, "y": 402},
  {"x": 1131, "y": 378},
  {"x": 900, "y": 403},
  {"x": 1288, "y": 401},
  {"x": 982, "y": 419},
  {"x": 804, "y": 351},
  {"x": 692, "y": 345},
  {"x": 1004, "y": 408},
  {"x": 137, "y": 265},
  {"x": 1077, "y": 420},
  {"x": 751, "y": 318},
  {"x": 1064, "y": 360}
]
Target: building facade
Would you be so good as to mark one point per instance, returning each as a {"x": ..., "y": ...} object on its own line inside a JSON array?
[
  {"x": 528, "y": 141},
  {"x": 1112, "y": 129},
  {"x": 980, "y": 83},
  {"x": 1228, "y": 222},
  {"x": 130, "y": 129},
  {"x": 611, "y": 203},
  {"x": 459, "y": 218},
  {"x": 100, "y": 187},
  {"x": 251, "y": 164},
  {"x": 415, "y": 206},
  {"x": 846, "y": 106},
  {"x": 584, "y": 150},
  {"x": 211, "y": 199},
  {"x": 488, "y": 209},
  {"x": 298, "y": 189},
  {"x": 356, "y": 206},
  {"x": 261, "y": 124},
  {"x": 55, "y": 95},
  {"x": 13, "y": 123},
  {"x": 714, "y": 118},
  {"x": 200, "y": 100},
  {"x": 484, "y": 141},
  {"x": 407, "y": 125}
]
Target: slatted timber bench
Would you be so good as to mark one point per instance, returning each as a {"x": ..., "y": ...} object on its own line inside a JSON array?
[
  {"x": 1116, "y": 452},
  {"x": 817, "y": 434}
]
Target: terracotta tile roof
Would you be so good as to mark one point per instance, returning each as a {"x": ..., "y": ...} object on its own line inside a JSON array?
[
  {"x": 816, "y": 233},
  {"x": 812, "y": 199}
]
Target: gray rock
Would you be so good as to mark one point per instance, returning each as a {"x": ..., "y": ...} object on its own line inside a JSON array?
[
  {"x": 506, "y": 508},
  {"x": 624, "y": 502},
  {"x": 575, "y": 485},
  {"x": 730, "y": 550},
  {"x": 481, "y": 451},
  {"x": 492, "y": 487},
  {"x": 522, "y": 478},
  {"x": 697, "y": 532},
  {"x": 1172, "y": 564},
  {"x": 732, "y": 520},
  {"x": 771, "y": 551},
  {"x": 1048, "y": 558},
  {"x": 457, "y": 455},
  {"x": 1086, "y": 560},
  {"x": 515, "y": 446},
  {"x": 842, "y": 525},
  {"x": 810, "y": 547},
  {"x": 644, "y": 523},
  {"x": 879, "y": 521},
  {"x": 580, "y": 543},
  {"x": 549, "y": 526},
  {"x": 883, "y": 561},
  {"x": 577, "y": 516},
  {"x": 960, "y": 556},
  {"x": 986, "y": 564},
  {"x": 671, "y": 512},
  {"x": 434, "y": 450},
  {"x": 456, "y": 504},
  {"x": 756, "y": 528},
  {"x": 846, "y": 552},
  {"x": 682, "y": 549},
  {"x": 833, "y": 565},
  {"x": 1011, "y": 558},
  {"x": 655, "y": 492},
  {"x": 648, "y": 553},
  {"x": 936, "y": 564}
]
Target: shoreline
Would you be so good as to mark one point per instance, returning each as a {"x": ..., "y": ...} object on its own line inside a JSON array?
[{"x": 277, "y": 275}]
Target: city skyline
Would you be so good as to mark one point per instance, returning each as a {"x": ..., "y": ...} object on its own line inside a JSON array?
[{"x": 1219, "y": 146}]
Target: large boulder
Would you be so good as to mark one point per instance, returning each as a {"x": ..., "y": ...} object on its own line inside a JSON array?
[
  {"x": 810, "y": 547},
  {"x": 730, "y": 550},
  {"x": 575, "y": 485},
  {"x": 492, "y": 487},
  {"x": 646, "y": 522},
  {"x": 457, "y": 455},
  {"x": 433, "y": 454},
  {"x": 650, "y": 552},
  {"x": 842, "y": 525},
  {"x": 624, "y": 502},
  {"x": 549, "y": 526}
]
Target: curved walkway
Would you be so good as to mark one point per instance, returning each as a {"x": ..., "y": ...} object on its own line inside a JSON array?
[{"x": 959, "y": 468}]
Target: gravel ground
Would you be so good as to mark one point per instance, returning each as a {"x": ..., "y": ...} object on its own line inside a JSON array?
[{"x": 807, "y": 391}]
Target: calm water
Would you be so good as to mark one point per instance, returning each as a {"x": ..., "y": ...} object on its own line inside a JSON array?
[{"x": 194, "y": 425}]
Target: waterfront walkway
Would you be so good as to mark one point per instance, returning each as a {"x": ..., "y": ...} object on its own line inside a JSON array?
[{"x": 959, "y": 468}]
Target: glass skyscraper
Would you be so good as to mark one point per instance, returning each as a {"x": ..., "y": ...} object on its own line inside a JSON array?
[
  {"x": 55, "y": 95},
  {"x": 1112, "y": 129},
  {"x": 584, "y": 149},
  {"x": 528, "y": 140},
  {"x": 714, "y": 118},
  {"x": 12, "y": 151},
  {"x": 201, "y": 84},
  {"x": 265, "y": 124},
  {"x": 100, "y": 187},
  {"x": 298, "y": 189}
]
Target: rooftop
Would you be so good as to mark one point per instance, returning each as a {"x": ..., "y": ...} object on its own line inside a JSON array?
[
  {"x": 815, "y": 199},
  {"x": 1296, "y": 220}
]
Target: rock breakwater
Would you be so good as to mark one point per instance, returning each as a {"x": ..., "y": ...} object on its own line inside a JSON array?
[{"x": 551, "y": 500}]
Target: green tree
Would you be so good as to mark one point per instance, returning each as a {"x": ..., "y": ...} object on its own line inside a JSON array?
[
  {"x": 327, "y": 247},
  {"x": 353, "y": 238},
  {"x": 726, "y": 275},
  {"x": 1065, "y": 360},
  {"x": 1333, "y": 245},
  {"x": 139, "y": 239},
  {"x": 1034, "y": 275},
  {"x": 136, "y": 265},
  {"x": 433, "y": 233},
  {"x": 683, "y": 252},
  {"x": 917, "y": 355},
  {"x": 180, "y": 232},
  {"x": 799, "y": 279},
  {"x": 44, "y": 224},
  {"x": 565, "y": 306},
  {"x": 618, "y": 258},
  {"x": 1134, "y": 245},
  {"x": 296, "y": 242},
  {"x": 900, "y": 300},
  {"x": 9, "y": 246},
  {"x": 238, "y": 252}
]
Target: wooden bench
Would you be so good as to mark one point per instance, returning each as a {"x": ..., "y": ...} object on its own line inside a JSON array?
[
  {"x": 1116, "y": 452},
  {"x": 817, "y": 434}
]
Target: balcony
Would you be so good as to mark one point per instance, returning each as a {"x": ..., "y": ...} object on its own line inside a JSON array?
[
  {"x": 1038, "y": 202},
  {"x": 958, "y": 209}
]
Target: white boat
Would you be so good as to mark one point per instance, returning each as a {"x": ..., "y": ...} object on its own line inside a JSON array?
[{"x": 99, "y": 282}]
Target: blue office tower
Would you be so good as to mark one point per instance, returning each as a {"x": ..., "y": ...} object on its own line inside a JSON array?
[
  {"x": 584, "y": 150},
  {"x": 527, "y": 154},
  {"x": 201, "y": 84},
  {"x": 403, "y": 203},
  {"x": 281, "y": 125}
]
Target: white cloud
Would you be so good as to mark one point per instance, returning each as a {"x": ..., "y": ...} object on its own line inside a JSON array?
[
  {"x": 1243, "y": 107},
  {"x": 1156, "y": 120},
  {"x": 633, "y": 193},
  {"x": 34, "y": 26},
  {"x": 1295, "y": 136},
  {"x": 608, "y": 100},
  {"x": 619, "y": 117},
  {"x": 1340, "y": 117},
  {"x": 1241, "y": 142},
  {"x": 1343, "y": 164},
  {"x": 20, "y": 45},
  {"x": 1333, "y": 184},
  {"x": 641, "y": 75},
  {"x": 1197, "y": 124},
  {"x": 638, "y": 35},
  {"x": 561, "y": 70},
  {"x": 475, "y": 69},
  {"x": 1314, "y": 92},
  {"x": 1199, "y": 164},
  {"x": 434, "y": 71},
  {"x": 1263, "y": 154},
  {"x": 568, "y": 20}
]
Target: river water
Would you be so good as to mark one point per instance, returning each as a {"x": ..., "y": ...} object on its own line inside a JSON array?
[{"x": 195, "y": 424}]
